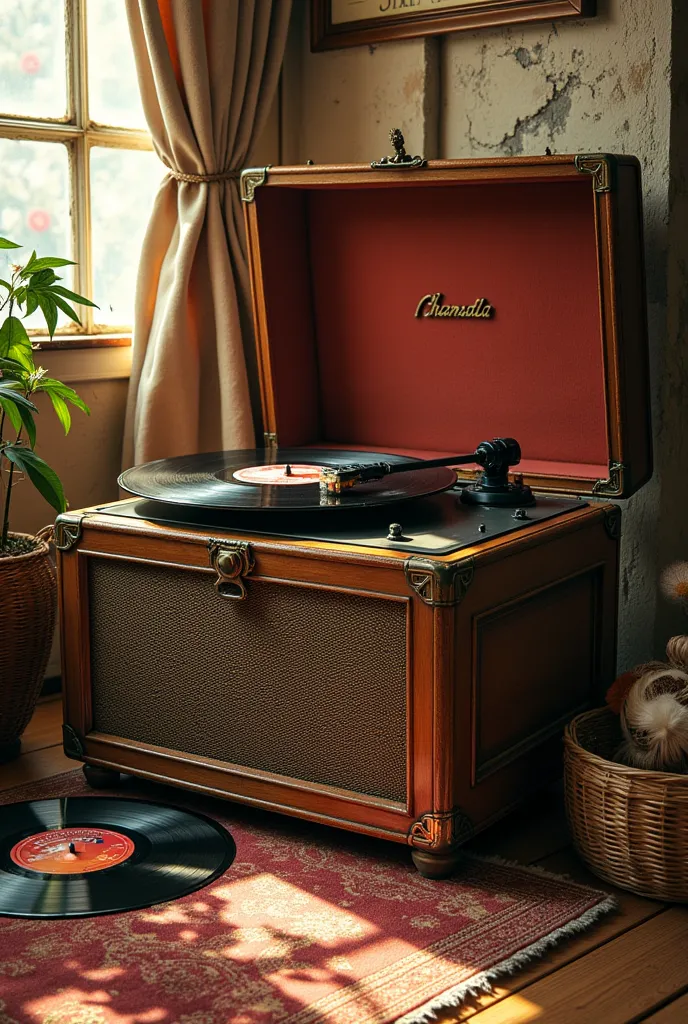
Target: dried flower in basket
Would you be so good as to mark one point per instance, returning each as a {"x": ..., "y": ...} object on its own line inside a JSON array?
[
  {"x": 674, "y": 582},
  {"x": 652, "y": 703}
]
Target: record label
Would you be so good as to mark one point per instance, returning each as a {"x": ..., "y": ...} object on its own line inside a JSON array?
[
  {"x": 72, "y": 851},
  {"x": 80, "y": 856},
  {"x": 287, "y": 474}
]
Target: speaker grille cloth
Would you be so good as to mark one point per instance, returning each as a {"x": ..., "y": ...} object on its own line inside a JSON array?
[{"x": 304, "y": 682}]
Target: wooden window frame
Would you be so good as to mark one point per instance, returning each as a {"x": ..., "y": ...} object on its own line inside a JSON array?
[{"x": 80, "y": 135}]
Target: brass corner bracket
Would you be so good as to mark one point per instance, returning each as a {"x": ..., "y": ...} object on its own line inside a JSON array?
[
  {"x": 613, "y": 486},
  {"x": 401, "y": 158},
  {"x": 439, "y": 584},
  {"x": 72, "y": 743},
  {"x": 440, "y": 830},
  {"x": 602, "y": 168},
  {"x": 612, "y": 521},
  {"x": 68, "y": 531},
  {"x": 232, "y": 560},
  {"x": 251, "y": 179}
]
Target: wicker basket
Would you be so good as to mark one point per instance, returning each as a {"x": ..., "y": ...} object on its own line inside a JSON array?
[
  {"x": 629, "y": 825},
  {"x": 28, "y": 596}
]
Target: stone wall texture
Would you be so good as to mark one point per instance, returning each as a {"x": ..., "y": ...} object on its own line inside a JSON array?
[{"x": 601, "y": 84}]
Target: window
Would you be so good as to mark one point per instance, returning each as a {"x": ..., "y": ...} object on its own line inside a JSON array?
[{"x": 77, "y": 170}]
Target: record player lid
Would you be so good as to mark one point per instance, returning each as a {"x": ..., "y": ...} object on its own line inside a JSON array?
[{"x": 420, "y": 310}]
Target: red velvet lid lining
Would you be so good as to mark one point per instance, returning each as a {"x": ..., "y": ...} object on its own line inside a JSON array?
[{"x": 343, "y": 272}]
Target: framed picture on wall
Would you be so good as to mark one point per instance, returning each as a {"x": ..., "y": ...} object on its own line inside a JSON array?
[{"x": 338, "y": 23}]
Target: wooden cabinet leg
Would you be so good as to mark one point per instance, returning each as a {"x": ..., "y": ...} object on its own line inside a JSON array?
[
  {"x": 440, "y": 864},
  {"x": 100, "y": 778}
]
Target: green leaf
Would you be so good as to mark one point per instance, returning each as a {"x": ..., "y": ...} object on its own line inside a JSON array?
[
  {"x": 73, "y": 296},
  {"x": 20, "y": 417},
  {"x": 61, "y": 410},
  {"x": 49, "y": 310},
  {"x": 24, "y": 272},
  {"x": 12, "y": 412},
  {"x": 39, "y": 473},
  {"x": 13, "y": 333},
  {"x": 12, "y": 369},
  {"x": 43, "y": 279},
  {"x": 34, "y": 265},
  {"x": 31, "y": 303},
  {"x": 9, "y": 391},
  {"x": 53, "y": 386},
  {"x": 65, "y": 307},
  {"x": 20, "y": 295},
  {"x": 6, "y": 284},
  {"x": 6, "y": 244}
]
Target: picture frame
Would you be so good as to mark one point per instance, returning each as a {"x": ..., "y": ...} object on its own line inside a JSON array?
[{"x": 340, "y": 23}]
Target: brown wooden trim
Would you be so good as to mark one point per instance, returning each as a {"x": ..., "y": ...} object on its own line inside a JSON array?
[
  {"x": 294, "y": 797},
  {"x": 481, "y": 14},
  {"x": 87, "y": 341}
]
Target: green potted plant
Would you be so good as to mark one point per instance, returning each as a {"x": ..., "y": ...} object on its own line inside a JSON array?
[{"x": 28, "y": 590}]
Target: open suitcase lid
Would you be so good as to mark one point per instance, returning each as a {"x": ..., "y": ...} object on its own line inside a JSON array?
[{"x": 423, "y": 309}]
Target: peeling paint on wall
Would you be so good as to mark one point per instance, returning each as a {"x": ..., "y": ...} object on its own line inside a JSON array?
[{"x": 588, "y": 85}]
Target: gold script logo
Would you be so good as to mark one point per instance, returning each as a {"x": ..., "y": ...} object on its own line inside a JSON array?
[{"x": 433, "y": 306}]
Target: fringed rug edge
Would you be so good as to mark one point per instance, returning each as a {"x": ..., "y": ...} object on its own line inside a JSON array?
[{"x": 482, "y": 983}]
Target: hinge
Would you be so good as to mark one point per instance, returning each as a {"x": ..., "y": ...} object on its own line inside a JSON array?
[
  {"x": 251, "y": 179},
  {"x": 68, "y": 530},
  {"x": 612, "y": 487},
  {"x": 440, "y": 830},
  {"x": 440, "y": 584},
  {"x": 232, "y": 560},
  {"x": 270, "y": 440},
  {"x": 601, "y": 166},
  {"x": 612, "y": 521}
]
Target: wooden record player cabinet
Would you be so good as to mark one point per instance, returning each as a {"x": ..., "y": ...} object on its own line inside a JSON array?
[{"x": 414, "y": 698}]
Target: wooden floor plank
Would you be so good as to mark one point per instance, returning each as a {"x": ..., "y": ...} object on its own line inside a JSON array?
[
  {"x": 618, "y": 983},
  {"x": 633, "y": 910},
  {"x": 675, "y": 1013},
  {"x": 38, "y": 764},
  {"x": 45, "y": 727}
]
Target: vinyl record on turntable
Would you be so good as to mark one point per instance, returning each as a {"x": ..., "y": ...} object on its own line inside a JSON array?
[
  {"x": 83, "y": 856},
  {"x": 276, "y": 479}
]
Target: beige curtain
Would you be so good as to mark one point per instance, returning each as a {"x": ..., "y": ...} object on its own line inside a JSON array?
[{"x": 208, "y": 71}]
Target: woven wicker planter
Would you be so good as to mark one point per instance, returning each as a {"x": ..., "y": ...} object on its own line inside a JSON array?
[
  {"x": 629, "y": 825},
  {"x": 28, "y": 597}
]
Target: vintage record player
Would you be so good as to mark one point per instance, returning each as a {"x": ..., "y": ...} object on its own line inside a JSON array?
[{"x": 392, "y": 650}]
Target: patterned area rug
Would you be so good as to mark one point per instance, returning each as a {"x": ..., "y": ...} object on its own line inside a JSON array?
[{"x": 308, "y": 926}]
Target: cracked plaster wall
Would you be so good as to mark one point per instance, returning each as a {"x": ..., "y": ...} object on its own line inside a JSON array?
[
  {"x": 574, "y": 85},
  {"x": 600, "y": 84}
]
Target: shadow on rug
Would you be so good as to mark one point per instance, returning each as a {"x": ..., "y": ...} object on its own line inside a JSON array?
[{"x": 308, "y": 926}]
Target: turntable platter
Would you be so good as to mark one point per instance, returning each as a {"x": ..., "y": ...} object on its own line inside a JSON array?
[{"x": 234, "y": 480}]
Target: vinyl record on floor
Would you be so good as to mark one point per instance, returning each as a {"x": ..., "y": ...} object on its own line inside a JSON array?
[
  {"x": 81, "y": 856},
  {"x": 279, "y": 479}
]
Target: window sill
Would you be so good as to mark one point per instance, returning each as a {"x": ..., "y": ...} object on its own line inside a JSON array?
[{"x": 65, "y": 342}]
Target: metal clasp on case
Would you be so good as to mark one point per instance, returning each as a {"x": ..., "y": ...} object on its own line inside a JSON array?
[{"x": 232, "y": 560}]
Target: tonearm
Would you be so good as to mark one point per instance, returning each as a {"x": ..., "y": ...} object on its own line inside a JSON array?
[{"x": 493, "y": 488}]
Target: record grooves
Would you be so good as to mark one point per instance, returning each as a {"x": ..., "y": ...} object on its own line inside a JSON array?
[
  {"x": 231, "y": 480},
  {"x": 83, "y": 856}
]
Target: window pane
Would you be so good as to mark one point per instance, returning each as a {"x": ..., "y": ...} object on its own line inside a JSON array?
[
  {"x": 113, "y": 90},
  {"x": 123, "y": 186},
  {"x": 33, "y": 78},
  {"x": 34, "y": 206}
]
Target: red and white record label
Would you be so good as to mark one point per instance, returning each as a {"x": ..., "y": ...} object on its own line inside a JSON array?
[
  {"x": 275, "y": 475},
  {"x": 72, "y": 851}
]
